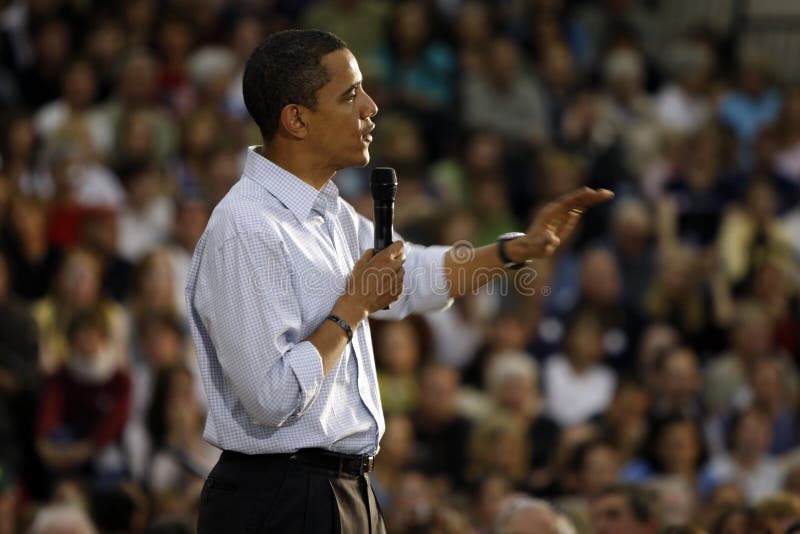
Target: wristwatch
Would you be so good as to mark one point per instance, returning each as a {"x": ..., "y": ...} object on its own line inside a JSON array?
[{"x": 508, "y": 263}]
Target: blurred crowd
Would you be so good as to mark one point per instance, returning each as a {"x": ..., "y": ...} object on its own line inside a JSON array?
[{"x": 644, "y": 380}]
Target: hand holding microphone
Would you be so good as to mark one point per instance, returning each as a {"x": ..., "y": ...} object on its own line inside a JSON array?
[{"x": 377, "y": 277}]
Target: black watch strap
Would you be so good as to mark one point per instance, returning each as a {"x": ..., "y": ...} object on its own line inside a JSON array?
[{"x": 501, "y": 244}]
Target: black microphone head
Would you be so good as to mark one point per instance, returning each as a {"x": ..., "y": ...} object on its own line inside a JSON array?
[{"x": 384, "y": 183}]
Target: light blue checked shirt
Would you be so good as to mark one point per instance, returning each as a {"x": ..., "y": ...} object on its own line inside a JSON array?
[{"x": 273, "y": 260}]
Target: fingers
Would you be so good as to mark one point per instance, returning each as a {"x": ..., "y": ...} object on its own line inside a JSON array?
[
  {"x": 582, "y": 198},
  {"x": 393, "y": 254},
  {"x": 393, "y": 250}
]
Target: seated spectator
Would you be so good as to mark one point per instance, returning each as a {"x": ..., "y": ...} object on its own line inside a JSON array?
[
  {"x": 657, "y": 339},
  {"x": 601, "y": 292},
  {"x": 595, "y": 464},
  {"x": 32, "y": 259},
  {"x": 523, "y": 515},
  {"x": 751, "y": 235},
  {"x": 182, "y": 459},
  {"x": 678, "y": 450},
  {"x": 146, "y": 217},
  {"x": 399, "y": 348},
  {"x": 787, "y": 158},
  {"x": 513, "y": 385},
  {"x": 19, "y": 381},
  {"x": 78, "y": 91},
  {"x": 723, "y": 496},
  {"x": 750, "y": 341},
  {"x": 684, "y": 104},
  {"x": 752, "y": 105},
  {"x": 682, "y": 296},
  {"x": 499, "y": 443},
  {"x": 20, "y": 150},
  {"x": 679, "y": 387},
  {"x": 78, "y": 173},
  {"x": 576, "y": 384},
  {"x": 504, "y": 99},
  {"x": 76, "y": 287},
  {"x": 396, "y": 457},
  {"x": 419, "y": 507},
  {"x": 488, "y": 495},
  {"x": 152, "y": 292},
  {"x": 738, "y": 520},
  {"x": 625, "y": 425},
  {"x": 191, "y": 217},
  {"x": 98, "y": 231},
  {"x": 416, "y": 68},
  {"x": 774, "y": 287},
  {"x": 62, "y": 518},
  {"x": 163, "y": 345},
  {"x": 631, "y": 243},
  {"x": 441, "y": 433},
  {"x": 747, "y": 462},
  {"x": 200, "y": 136},
  {"x": 360, "y": 23},
  {"x": 770, "y": 392},
  {"x": 625, "y": 113},
  {"x": 623, "y": 508},
  {"x": 121, "y": 508},
  {"x": 84, "y": 406},
  {"x": 474, "y": 28},
  {"x": 701, "y": 189},
  {"x": 779, "y": 512},
  {"x": 509, "y": 330},
  {"x": 139, "y": 126},
  {"x": 560, "y": 84}
]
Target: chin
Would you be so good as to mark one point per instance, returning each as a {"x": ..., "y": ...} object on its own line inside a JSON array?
[{"x": 361, "y": 161}]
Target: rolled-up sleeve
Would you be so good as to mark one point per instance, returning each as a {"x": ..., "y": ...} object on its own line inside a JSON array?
[
  {"x": 250, "y": 310},
  {"x": 425, "y": 284}
]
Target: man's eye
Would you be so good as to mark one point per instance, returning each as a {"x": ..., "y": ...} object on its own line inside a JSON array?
[{"x": 352, "y": 96}]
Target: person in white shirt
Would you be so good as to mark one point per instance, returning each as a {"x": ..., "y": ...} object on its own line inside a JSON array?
[{"x": 577, "y": 385}]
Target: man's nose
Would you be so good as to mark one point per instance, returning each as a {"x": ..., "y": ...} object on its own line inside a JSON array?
[{"x": 370, "y": 107}]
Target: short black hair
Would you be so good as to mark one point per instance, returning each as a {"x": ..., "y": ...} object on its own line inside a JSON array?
[{"x": 286, "y": 68}]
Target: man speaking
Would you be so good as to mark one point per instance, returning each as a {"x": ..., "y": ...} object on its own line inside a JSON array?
[{"x": 279, "y": 290}]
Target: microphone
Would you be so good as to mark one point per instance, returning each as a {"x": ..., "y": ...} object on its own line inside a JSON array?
[{"x": 384, "y": 188}]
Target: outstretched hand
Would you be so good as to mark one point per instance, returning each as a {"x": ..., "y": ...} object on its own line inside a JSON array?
[{"x": 555, "y": 222}]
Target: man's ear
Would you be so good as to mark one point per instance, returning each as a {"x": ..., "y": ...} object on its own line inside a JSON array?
[{"x": 293, "y": 120}]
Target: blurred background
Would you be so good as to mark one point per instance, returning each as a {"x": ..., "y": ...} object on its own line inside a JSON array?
[{"x": 645, "y": 377}]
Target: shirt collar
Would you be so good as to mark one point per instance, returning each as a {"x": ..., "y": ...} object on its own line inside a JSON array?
[{"x": 297, "y": 195}]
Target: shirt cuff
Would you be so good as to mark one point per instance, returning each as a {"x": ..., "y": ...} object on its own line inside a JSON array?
[
  {"x": 427, "y": 279},
  {"x": 306, "y": 363}
]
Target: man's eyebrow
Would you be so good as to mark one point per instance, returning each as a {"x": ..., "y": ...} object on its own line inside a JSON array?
[{"x": 350, "y": 89}]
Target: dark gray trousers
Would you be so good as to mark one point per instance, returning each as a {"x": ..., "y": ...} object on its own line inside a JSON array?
[{"x": 273, "y": 493}]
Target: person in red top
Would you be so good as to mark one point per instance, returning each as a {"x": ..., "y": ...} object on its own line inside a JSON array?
[{"x": 84, "y": 405}]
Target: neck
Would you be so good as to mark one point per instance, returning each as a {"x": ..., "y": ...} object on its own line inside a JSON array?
[{"x": 289, "y": 155}]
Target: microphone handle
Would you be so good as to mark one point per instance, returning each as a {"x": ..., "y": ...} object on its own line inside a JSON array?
[{"x": 383, "y": 219}]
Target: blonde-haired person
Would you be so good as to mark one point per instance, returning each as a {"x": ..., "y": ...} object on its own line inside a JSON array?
[
  {"x": 512, "y": 380},
  {"x": 779, "y": 512},
  {"x": 499, "y": 443},
  {"x": 77, "y": 287}
]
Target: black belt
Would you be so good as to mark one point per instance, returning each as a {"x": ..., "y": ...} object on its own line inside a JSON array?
[
  {"x": 336, "y": 462},
  {"x": 351, "y": 464}
]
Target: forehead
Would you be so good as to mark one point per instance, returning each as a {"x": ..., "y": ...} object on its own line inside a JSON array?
[{"x": 342, "y": 69}]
